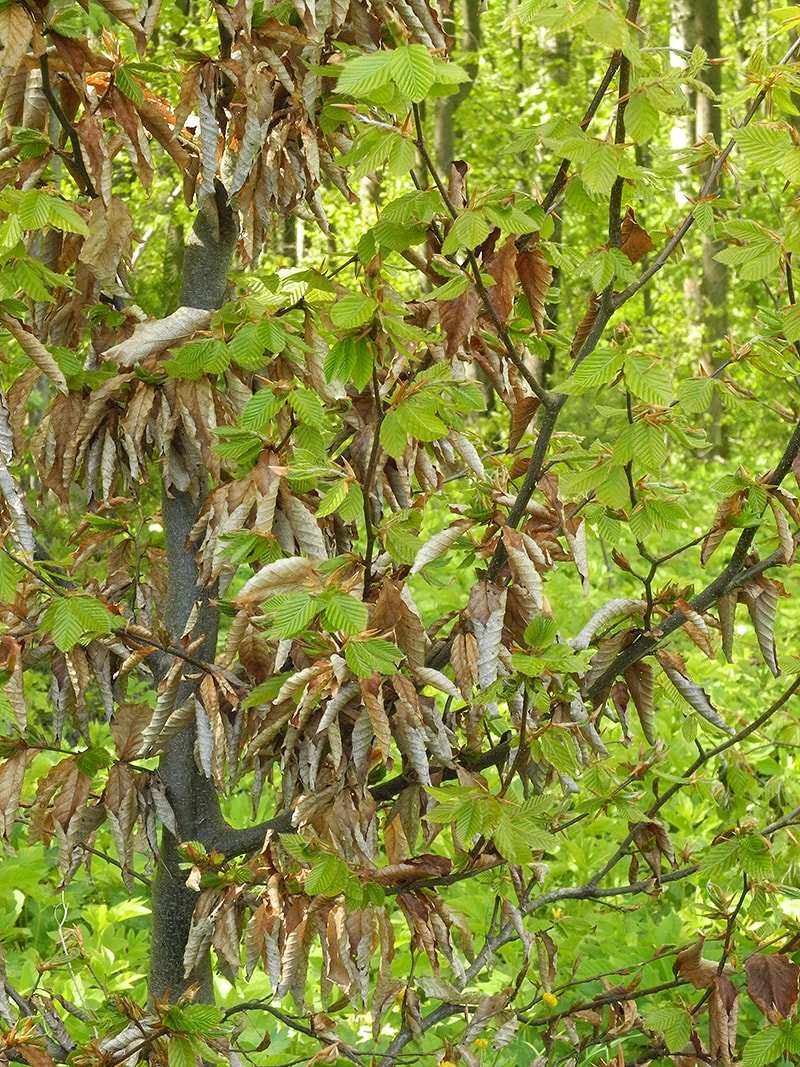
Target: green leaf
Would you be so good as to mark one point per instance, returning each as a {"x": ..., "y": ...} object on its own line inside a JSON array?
[
  {"x": 674, "y": 1022},
  {"x": 694, "y": 395},
  {"x": 642, "y": 444},
  {"x": 93, "y": 759},
  {"x": 470, "y": 229},
  {"x": 344, "y": 613},
  {"x": 364, "y": 74},
  {"x": 353, "y": 310},
  {"x": 180, "y": 1052},
  {"x": 372, "y": 654},
  {"x": 202, "y": 1019},
  {"x": 34, "y": 210},
  {"x": 398, "y": 236},
  {"x": 510, "y": 841},
  {"x": 328, "y": 877},
  {"x": 192, "y": 361},
  {"x": 63, "y": 216},
  {"x": 261, "y": 409},
  {"x": 600, "y": 367},
  {"x": 290, "y": 613},
  {"x": 720, "y": 858},
  {"x": 393, "y": 436},
  {"x": 10, "y": 574},
  {"x": 420, "y": 420},
  {"x": 350, "y": 360},
  {"x": 307, "y": 406},
  {"x": 451, "y": 289},
  {"x": 413, "y": 71},
  {"x": 401, "y": 544},
  {"x": 764, "y": 146},
  {"x": 601, "y": 169},
  {"x": 77, "y": 620},
  {"x": 401, "y": 157},
  {"x": 755, "y": 857},
  {"x": 764, "y": 1048},
  {"x": 128, "y": 85},
  {"x": 641, "y": 118},
  {"x": 333, "y": 498},
  {"x": 648, "y": 380},
  {"x": 353, "y": 504}
]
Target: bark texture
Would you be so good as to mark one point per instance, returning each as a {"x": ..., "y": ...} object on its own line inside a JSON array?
[{"x": 207, "y": 261}]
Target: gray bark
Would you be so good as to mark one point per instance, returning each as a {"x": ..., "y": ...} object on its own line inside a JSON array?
[
  {"x": 447, "y": 106},
  {"x": 697, "y": 23},
  {"x": 207, "y": 260}
]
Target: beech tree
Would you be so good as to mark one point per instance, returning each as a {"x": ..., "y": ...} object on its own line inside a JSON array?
[{"x": 435, "y": 708}]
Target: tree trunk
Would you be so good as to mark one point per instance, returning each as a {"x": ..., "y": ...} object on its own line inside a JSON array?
[
  {"x": 447, "y": 106},
  {"x": 209, "y": 250},
  {"x": 698, "y": 24}
]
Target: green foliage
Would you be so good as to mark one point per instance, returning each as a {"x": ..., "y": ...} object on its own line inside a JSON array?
[{"x": 460, "y": 541}]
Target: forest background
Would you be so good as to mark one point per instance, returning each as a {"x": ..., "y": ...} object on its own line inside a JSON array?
[{"x": 398, "y": 456}]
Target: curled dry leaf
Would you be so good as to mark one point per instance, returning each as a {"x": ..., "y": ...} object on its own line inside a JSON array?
[
  {"x": 150, "y": 338},
  {"x": 692, "y": 967},
  {"x": 640, "y": 679},
  {"x": 723, "y": 1014},
  {"x": 692, "y": 693},
  {"x": 35, "y": 351},
  {"x": 727, "y": 509},
  {"x": 761, "y": 597},
  {"x": 585, "y": 325}
]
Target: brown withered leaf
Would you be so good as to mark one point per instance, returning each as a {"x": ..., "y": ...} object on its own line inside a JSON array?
[
  {"x": 652, "y": 840},
  {"x": 12, "y": 776},
  {"x": 412, "y": 870},
  {"x": 726, "y": 609},
  {"x": 500, "y": 266},
  {"x": 640, "y": 679},
  {"x": 458, "y": 317},
  {"x": 761, "y": 597},
  {"x": 694, "y": 695},
  {"x": 726, "y": 509},
  {"x": 772, "y": 984},
  {"x": 120, "y": 801},
  {"x": 535, "y": 275},
  {"x": 524, "y": 410},
  {"x": 585, "y": 325},
  {"x": 489, "y": 1008},
  {"x": 785, "y": 536},
  {"x": 723, "y": 1014},
  {"x": 464, "y": 660},
  {"x": 692, "y": 967},
  {"x": 636, "y": 241},
  {"x": 33, "y": 1056},
  {"x": 457, "y": 184},
  {"x": 696, "y": 627},
  {"x": 35, "y": 351}
]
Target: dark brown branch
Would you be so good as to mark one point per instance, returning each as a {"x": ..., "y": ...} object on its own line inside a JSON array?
[
  {"x": 77, "y": 155},
  {"x": 600, "y": 1000},
  {"x": 731, "y": 577}
]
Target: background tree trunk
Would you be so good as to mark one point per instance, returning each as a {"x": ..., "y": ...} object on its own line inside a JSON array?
[{"x": 697, "y": 23}]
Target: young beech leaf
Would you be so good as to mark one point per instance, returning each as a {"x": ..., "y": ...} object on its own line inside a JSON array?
[
  {"x": 372, "y": 654},
  {"x": 77, "y": 620},
  {"x": 412, "y": 70}
]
